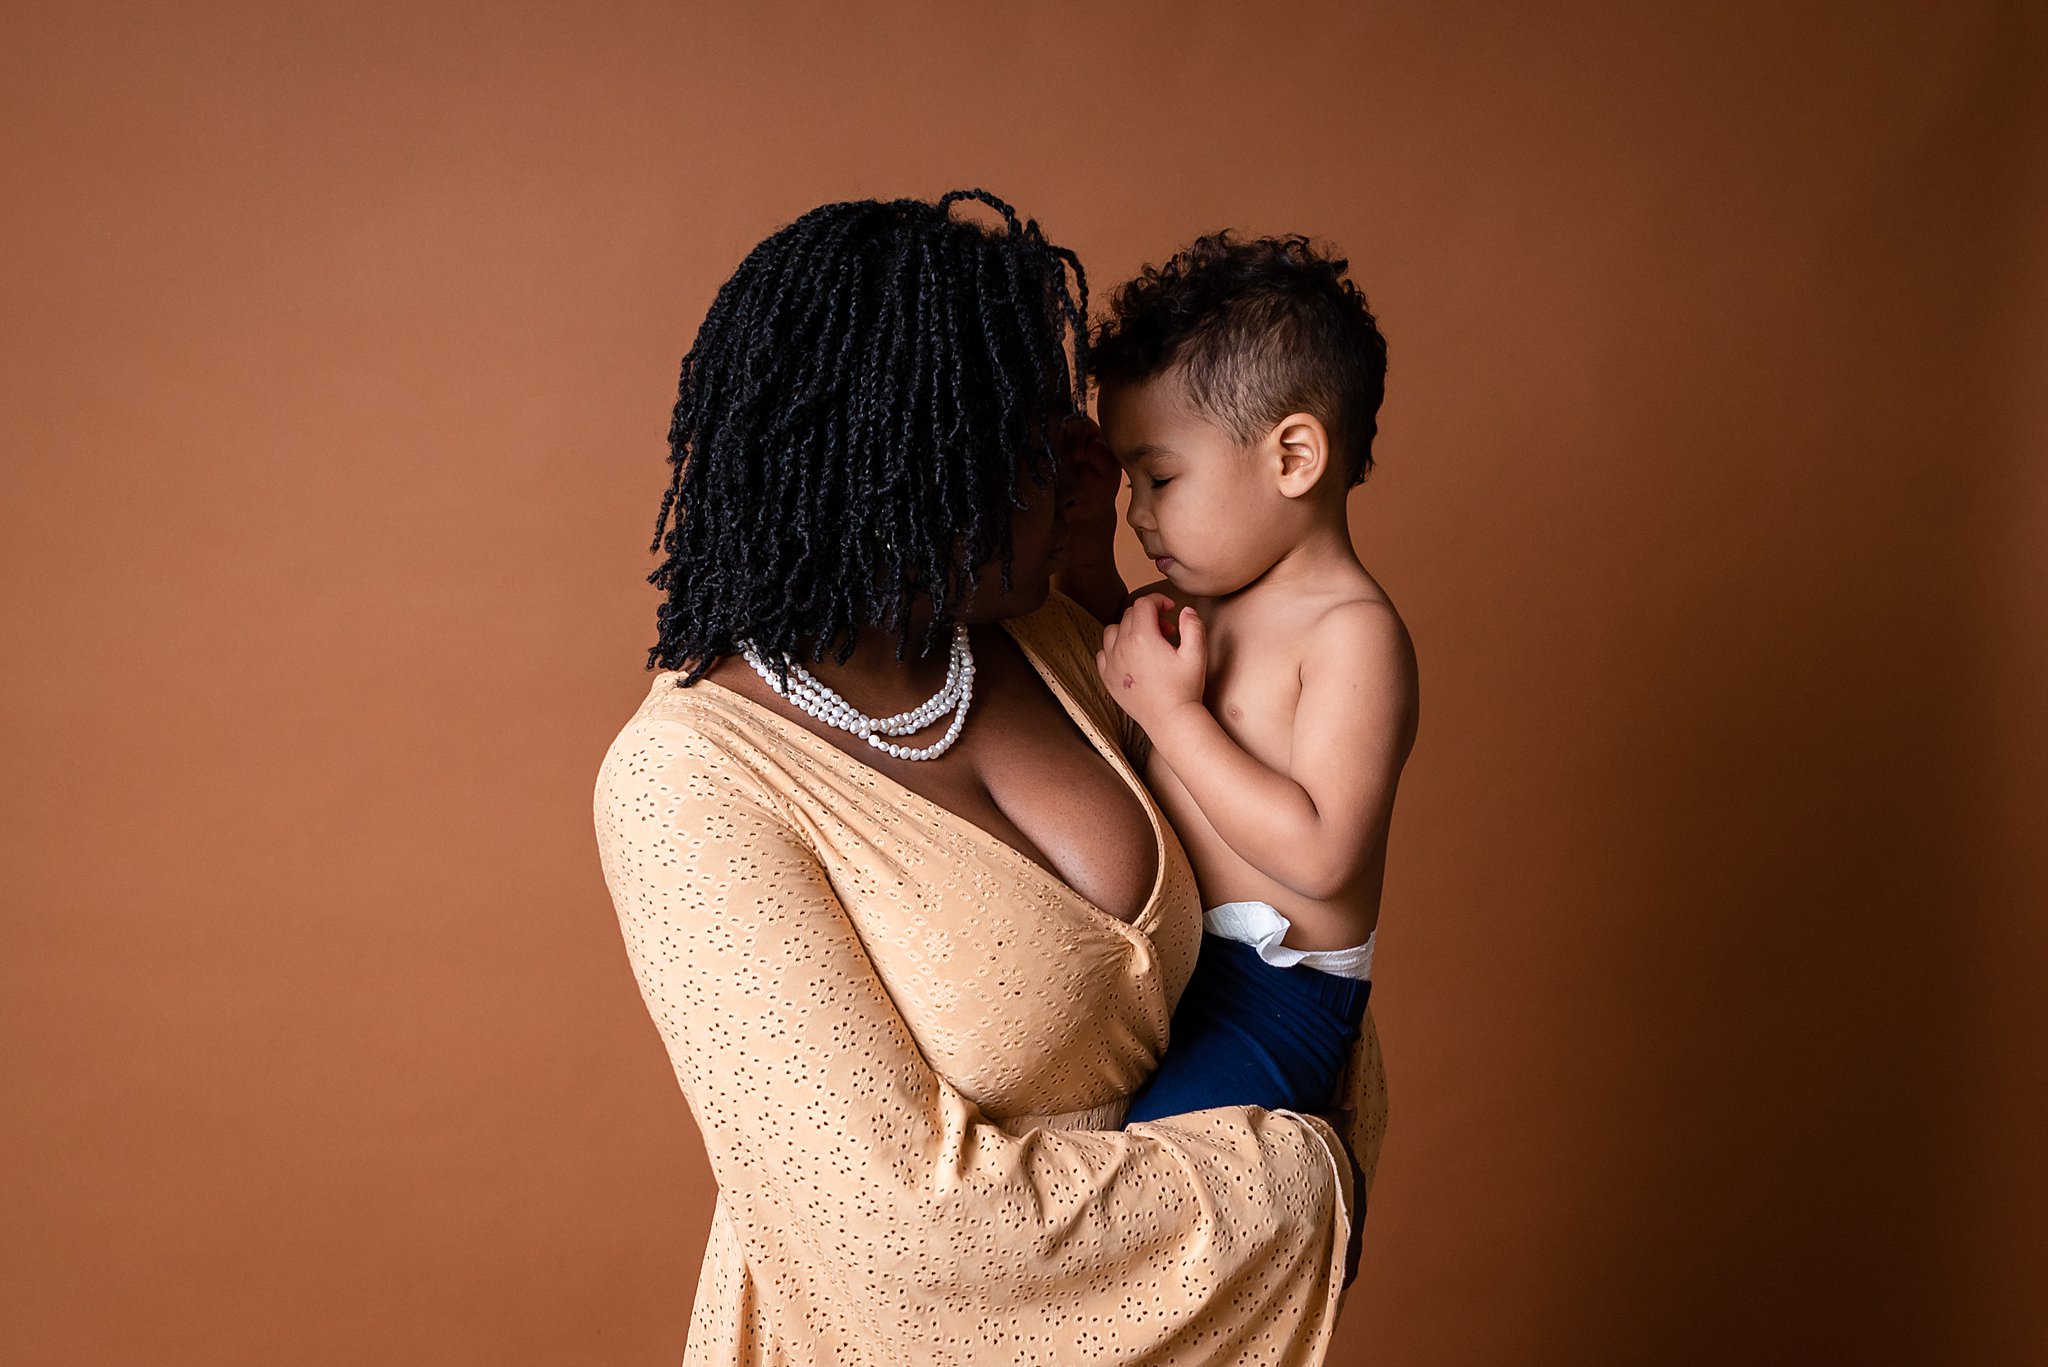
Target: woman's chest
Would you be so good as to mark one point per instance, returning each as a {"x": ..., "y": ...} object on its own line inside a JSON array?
[
  {"x": 1027, "y": 998},
  {"x": 1028, "y": 775}
]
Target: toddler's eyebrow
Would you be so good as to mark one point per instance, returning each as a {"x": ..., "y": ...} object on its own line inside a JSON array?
[{"x": 1144, "y": 450}]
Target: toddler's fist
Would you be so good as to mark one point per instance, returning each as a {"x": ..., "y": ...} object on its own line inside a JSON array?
[{"x": 1146, "y": 672}]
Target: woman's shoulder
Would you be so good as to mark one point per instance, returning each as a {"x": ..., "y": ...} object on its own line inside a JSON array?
[
  {"x": 710, "y": 714},
  {"x": 695, "y": 737}
]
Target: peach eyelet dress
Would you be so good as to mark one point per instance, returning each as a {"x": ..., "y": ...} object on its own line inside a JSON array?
[{"x": 909, "y": 1046}]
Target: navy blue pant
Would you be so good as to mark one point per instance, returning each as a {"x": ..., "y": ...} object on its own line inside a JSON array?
[{"x": 1250, "y": 1033}]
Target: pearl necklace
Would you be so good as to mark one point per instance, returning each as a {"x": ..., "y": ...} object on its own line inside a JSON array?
[{"x": 814, "y": 698}]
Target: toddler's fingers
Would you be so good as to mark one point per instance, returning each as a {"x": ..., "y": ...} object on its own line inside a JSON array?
[
  {"x": 1165, "y": 613},
  {"x": 1143, "y": 617},
  {"x": 1154, "y": 604}
]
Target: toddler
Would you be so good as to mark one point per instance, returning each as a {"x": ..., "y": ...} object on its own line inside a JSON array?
[{"x": 1273, "y": 679}]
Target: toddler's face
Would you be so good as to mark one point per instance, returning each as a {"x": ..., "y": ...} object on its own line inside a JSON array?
[{"x": 1202, "y": 502}]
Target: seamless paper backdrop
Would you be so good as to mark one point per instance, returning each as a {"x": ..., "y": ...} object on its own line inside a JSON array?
[{"x": 338, "y": 345}]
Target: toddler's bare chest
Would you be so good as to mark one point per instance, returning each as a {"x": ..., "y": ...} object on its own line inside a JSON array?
[{"x": 1253, "y": 691}]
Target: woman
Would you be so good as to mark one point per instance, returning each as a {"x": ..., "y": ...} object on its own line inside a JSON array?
[{"x": 910, "y": 926}]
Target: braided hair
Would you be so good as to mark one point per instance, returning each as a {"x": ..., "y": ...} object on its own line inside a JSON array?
[{"x": 850, "y": 425}]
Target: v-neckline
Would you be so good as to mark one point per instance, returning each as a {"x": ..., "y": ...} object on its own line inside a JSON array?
[{"x": 1107, "y": 749}]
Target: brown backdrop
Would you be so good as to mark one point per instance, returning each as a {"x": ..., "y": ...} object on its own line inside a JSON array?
[{"x": 339, "y": 343}]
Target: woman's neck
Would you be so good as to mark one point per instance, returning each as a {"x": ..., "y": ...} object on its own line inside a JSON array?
[{"x": 874, "y": 680}]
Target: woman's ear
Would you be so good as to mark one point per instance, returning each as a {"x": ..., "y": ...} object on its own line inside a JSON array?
[{"x": 1302, "y": 444}]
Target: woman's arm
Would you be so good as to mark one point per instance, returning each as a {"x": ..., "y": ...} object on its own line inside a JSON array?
[{"x": 830, "y": 1134}]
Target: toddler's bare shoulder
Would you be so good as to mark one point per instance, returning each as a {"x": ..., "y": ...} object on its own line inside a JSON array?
[{"x": 1361, "y": 636}]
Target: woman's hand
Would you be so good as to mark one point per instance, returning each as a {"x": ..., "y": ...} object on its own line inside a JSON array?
[
  {"x": 1084, "y": 497},
  {"x": 1089, "y": 477},
  {"x": 1341, "y": 1119},
  {"x": 1148, "y": 674}
]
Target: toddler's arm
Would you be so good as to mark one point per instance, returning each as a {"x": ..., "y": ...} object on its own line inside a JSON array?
[{"x": 1315, "y": 829}]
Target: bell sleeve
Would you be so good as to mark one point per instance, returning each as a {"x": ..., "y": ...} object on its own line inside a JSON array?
[{"x": 868, "y": 1192}]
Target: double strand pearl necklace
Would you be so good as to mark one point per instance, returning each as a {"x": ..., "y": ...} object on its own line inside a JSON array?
[{"x": 814, "y": 698}]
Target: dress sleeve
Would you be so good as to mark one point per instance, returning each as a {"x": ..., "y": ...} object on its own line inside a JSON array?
[{"x": 1213, "y": 1236}]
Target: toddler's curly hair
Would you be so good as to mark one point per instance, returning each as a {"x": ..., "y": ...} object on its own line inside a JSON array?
[{"x": 1255, "y": 329}]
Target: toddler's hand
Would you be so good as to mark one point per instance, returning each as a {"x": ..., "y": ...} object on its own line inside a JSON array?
[{"x": 1147, "y": 674}]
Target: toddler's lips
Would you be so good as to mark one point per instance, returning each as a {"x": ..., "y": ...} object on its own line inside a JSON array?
[{"x": 1162, "y": 561}]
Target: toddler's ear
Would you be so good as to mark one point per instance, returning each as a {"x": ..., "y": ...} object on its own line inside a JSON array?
[{"x": 1303, "y": 446}]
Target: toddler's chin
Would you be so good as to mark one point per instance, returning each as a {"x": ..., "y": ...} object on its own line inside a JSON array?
[{"x": 1207, "y": 584}]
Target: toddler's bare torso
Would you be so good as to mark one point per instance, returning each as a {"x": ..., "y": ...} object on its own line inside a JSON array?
[{"x": 1256, "y": 648}]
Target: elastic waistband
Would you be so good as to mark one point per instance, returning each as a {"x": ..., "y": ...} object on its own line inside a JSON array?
[{"x": 1262, "y": 926}]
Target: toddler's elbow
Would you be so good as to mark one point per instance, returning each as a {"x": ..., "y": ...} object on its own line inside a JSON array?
[
  {"x": 1319, "y": 882},
  {"x": 1321, "y": 876}
]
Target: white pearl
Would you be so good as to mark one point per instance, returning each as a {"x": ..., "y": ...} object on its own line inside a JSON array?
[{"x": 813, "y": 697}]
